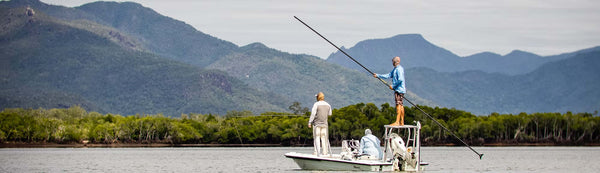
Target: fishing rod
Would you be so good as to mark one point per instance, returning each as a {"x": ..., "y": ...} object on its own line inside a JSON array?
[{"x": 386, "y": 84}]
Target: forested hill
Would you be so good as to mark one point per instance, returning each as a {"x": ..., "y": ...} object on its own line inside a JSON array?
[
  {"x": 160, "y": 34},
  {"x": 48, "y": 62},
  {"x": 156, "y": 33},
  {"x": 300, "y": 77}
]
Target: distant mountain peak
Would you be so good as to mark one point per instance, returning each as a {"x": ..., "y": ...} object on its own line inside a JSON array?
[
  {"x": 416, "y": 36},
  {"x": 411, "y": 38},
  {"x": 415, "y": 50},
  {"x": 130, "y": 6},
  {"x": 484, "y": 54},
  {"x": 519, "y": 53},
  {"x": 258, "y": 47},
  {"x": 489, "y": 53},
  {"x": 255, "y": 45},
  {"x": 398, "y": 38},
  {"x": 159, "y": 34}
]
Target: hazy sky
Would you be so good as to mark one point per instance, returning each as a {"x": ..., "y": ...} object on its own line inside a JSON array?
[{"x": 464, "y": 27}]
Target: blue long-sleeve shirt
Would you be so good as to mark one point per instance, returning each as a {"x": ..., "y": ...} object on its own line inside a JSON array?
[{"x": 397, "y": 75}]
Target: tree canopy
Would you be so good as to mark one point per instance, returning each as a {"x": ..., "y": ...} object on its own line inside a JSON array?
[{"x": 75, "y": 124}]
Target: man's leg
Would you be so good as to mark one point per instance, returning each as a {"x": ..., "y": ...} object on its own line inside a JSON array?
[
  {"x": 399, "y": 110},
  {"x": 399, "y": 116},
  {"x": 400, "y": 113},
  {"x": 317, "y": 144},
  {"x": 325, "y": 140}
]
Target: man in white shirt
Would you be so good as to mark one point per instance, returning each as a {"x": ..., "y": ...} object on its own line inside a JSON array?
[{"x": 318, "y": 118}]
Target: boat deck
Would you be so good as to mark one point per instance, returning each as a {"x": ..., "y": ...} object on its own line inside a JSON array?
[
  {"x": 335, "y": 158},
  {"x": 336, "y": 163}
]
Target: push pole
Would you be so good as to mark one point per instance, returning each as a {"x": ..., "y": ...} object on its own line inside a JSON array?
[
  {"x": 338, "y": 48},
  {"x": 386, "y": 84},
  {"x": 448, "y": 130}
]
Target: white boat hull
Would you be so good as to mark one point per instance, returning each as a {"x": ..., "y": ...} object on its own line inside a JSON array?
[
  {"x": 335, "y": 163},
  {"x": 397, "y": 154}
]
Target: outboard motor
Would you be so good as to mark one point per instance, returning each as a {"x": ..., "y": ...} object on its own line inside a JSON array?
[{"x": 403, "y": 157}]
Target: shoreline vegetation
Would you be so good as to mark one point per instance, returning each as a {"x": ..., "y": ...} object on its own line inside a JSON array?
[
  {"x": 152, "y": 145},
  {"x": 75, "y": 127}
]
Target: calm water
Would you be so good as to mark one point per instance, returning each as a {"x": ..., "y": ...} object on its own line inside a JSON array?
[{"x": 441, "y": 159}]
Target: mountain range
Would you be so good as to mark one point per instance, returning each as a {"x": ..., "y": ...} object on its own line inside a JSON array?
[
  {"x": 416, "y": 51},
  {"x": 125, "y": 58}
]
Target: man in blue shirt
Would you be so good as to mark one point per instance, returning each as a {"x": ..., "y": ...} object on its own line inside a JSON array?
[{"x": 399, "y": 88}]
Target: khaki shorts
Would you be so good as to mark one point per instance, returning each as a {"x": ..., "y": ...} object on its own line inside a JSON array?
[{"x": 399, "y": 97}]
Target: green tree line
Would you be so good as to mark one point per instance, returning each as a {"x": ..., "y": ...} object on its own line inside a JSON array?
[{"x": 74, "y": 125}]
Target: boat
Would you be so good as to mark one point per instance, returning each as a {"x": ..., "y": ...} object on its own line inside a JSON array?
[{"x": 398, "y": 155}]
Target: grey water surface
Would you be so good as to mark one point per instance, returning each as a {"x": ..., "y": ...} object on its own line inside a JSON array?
[{"x": 271, "y": 159}]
